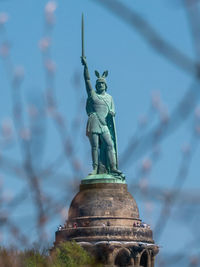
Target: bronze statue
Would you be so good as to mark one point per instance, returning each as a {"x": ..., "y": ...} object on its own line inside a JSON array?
[{"x": 101, "y": 124}]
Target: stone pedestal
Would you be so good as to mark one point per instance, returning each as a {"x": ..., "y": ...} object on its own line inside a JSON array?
[{"x": 102, "y": 219}]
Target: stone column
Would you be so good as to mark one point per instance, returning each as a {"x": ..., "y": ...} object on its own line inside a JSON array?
[
  {"x": 132, "y": 262},
  {"x": 149, "y": 262},
  {"x": 137, "y": 260},
  {"x": 152, "y": 260},
  {"x": 111, "y": 259}
]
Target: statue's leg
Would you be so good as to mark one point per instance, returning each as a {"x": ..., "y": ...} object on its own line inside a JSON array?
[
  {"x": 111, "y": 152},
  {"x": 94, "y": 140}
]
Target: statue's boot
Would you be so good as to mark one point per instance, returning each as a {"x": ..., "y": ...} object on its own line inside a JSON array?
[
  {"x": 115, "y": 170},
  {"x": 94, "y": 161},
  {"x": 113, "y": 165},
  {"x": 95, "y": 170}
]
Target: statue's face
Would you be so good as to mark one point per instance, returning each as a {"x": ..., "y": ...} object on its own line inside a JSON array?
[{"x": 101, "y": 87}]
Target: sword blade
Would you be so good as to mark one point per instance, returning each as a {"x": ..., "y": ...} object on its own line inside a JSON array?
[{"x": 82, "y": 36}]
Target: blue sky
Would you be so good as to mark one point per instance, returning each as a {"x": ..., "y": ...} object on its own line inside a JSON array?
[{"x": 135, "y": 72}]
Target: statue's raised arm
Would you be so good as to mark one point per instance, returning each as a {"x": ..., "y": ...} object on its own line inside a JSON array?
[{"x": 86, "y": 76}]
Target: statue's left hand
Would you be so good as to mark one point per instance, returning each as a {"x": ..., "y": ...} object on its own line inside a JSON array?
[{"x": 112, "y": 113}]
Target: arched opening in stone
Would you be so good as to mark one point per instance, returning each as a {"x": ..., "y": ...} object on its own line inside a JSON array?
[
  {"x": 144, "y": 259},
  {"x": 123, "y": 258}
]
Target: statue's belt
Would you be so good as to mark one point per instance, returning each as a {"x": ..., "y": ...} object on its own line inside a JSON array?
[{"x": 101, "y": 121}]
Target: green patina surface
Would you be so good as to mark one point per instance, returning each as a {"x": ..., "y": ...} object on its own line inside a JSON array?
[
  {"x": 100, "y": 128},
  {"x": 103, "y": 178}
]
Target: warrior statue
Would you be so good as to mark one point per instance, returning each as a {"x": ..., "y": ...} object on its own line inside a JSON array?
[{"x": 101, "y": 126}]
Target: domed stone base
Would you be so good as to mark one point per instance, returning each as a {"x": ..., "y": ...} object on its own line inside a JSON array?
[{"x": 104, "y": 218}]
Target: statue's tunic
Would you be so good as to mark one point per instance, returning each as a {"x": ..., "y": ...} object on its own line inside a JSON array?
[{"x": 98, "y": 107}]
